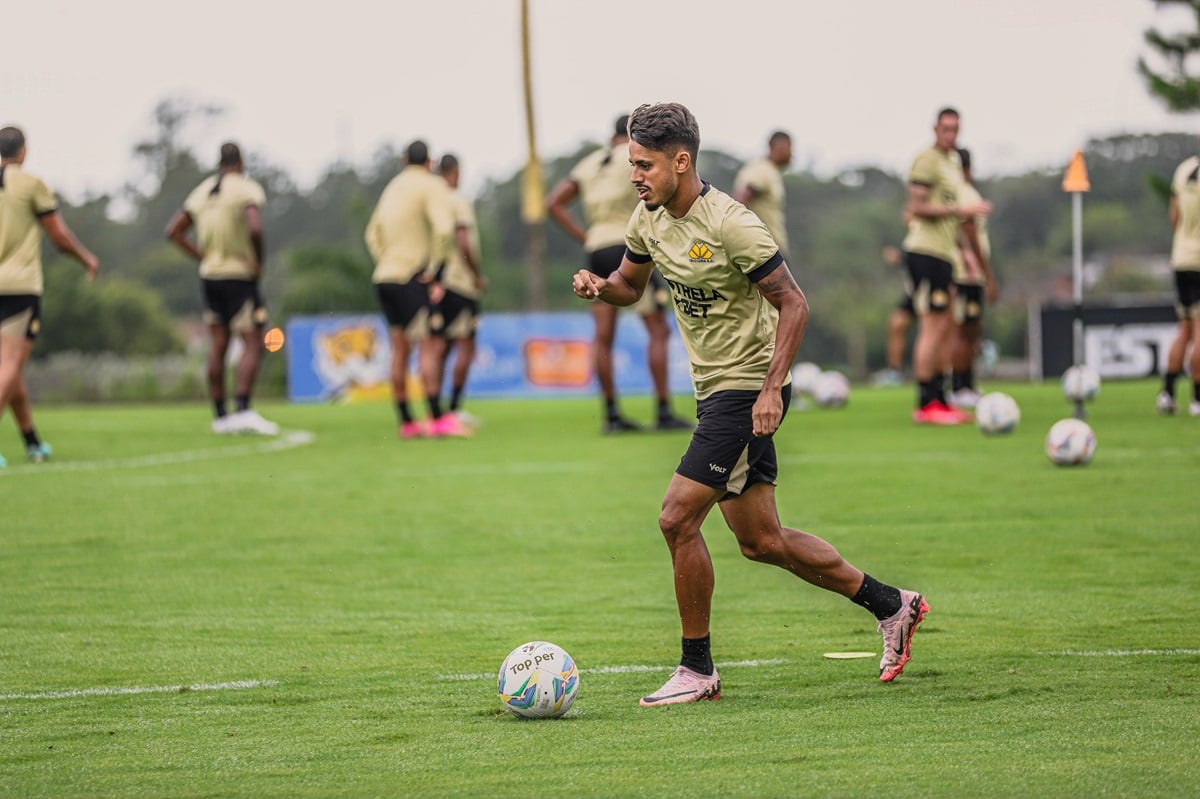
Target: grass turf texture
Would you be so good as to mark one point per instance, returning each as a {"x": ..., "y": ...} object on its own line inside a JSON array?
[{"x": 354, "y": 574}]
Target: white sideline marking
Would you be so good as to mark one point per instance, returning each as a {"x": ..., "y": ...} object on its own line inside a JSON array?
[
  {"x": 1126, "y": 653},
  {"x": 287, "y": 440},
  {"x": 239, "y": 685},
  {"x": 636, "y": 669}
]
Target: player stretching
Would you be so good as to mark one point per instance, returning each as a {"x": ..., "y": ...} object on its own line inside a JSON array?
[
  {"x": 742, "y": 317},
  {"x": 226, "y": 209},
  {"x": 936, "y": 216},
  {"x": 27, "y": 207}
]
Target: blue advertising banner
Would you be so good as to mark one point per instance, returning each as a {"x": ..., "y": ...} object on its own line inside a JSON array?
[{"x": 517, "y": 355}]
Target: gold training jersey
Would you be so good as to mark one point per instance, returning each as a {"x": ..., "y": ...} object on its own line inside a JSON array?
[
  {"x": 24, "y": 199},
  {"x": 458, "y": 276},
  {"x": 711, "y": 258},
  {"x": 770, "y": 197},
  {"x": 941, "y": 172},
  {"x": 607, "y": 195},
  {"x": 218, "y": 208},
  {"x": 412, "y": 226},
  {"x": 1185, "y": 245},
  {"x": 969, "y": 195}
]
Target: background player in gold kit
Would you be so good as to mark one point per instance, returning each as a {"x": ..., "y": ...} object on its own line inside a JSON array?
[
  {"x": 410, "y": 236},
  {"x": 601, "y": 182},
  {"x": 742, "y": 317},
  {"x": 226, "y": 210},
  {"x": 759, "y": 187},
  {"x": 27, "y": 208},
  {"x": 455, "y": 314}
]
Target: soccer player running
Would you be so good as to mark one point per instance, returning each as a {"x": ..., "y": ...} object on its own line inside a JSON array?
[
  {"x": 759, "y": 186},
  {"x": 455, "y": 315},
  {"x": 974, "y": 286},
  {"x": 27, "y": 207},
  {"x": 742, "y": 318},
  {"x": 226, "y": 212},
  {"x": 936, "y": 215},
  {"x": 601, "y": 182},
  {"x": 1184, "y": 215},
  {"x": 410, "y": 235}
]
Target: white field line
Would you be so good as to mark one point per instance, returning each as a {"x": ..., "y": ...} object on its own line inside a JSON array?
[
  {"x": 1124, "y": 653},
  {"x": 239, "y": 685},
  {"x": 634, "y": 669},
  {"x": 288, "y": 440}
]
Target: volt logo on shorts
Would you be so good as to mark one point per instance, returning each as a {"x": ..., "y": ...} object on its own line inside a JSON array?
[
  {"x": 700, "y": 253},
  {"x": 712, "y": 467}
]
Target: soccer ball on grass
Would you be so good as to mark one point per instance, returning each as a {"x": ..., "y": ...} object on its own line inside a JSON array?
[
  {"x": 538, "y": 680},
  {"x": 996, "y": 413},
  {"x": 1081, "y": 383},
  {"x": 1070, "y": 442}
]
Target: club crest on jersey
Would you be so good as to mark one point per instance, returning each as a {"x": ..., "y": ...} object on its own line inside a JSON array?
[{"x": 700, "y": 253}]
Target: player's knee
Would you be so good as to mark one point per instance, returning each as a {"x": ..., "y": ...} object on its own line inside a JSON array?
[{"x": 677, "y": 524}]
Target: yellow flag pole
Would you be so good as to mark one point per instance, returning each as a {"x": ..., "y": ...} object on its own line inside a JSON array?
[{"x": 533, "y": 203}]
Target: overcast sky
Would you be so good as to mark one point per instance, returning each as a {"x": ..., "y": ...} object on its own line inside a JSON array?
[{"x": 855, "y": 82}]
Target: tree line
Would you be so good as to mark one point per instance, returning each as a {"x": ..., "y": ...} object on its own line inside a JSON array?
[{"x": 839, "y": 225}]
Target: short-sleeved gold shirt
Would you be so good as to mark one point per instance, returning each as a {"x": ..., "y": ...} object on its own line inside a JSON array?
[
  {"x": 1185, "y": 244},
  {"x": 458, "y": 277},
  {"x": 711, "y": 258},
  {"x": 24, "y": 199},
  {"x": 607, "y": 195},
  {"x": 941, "y": 172},
  {"x": 412, "y": 226},
  {"x": 770, "y": 197},
  {"x": 218, "y": 209}
]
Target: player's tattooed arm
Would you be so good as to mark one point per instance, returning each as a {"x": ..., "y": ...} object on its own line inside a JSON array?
[{"x": 780, "y": 289}]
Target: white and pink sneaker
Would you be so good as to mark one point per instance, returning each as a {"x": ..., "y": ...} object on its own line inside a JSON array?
[{"x": 685, "y": 685}]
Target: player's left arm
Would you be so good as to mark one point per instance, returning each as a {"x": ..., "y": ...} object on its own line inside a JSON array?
[
  {"x": 254, "y": 225},
  {"x": 623, "y": 287},
  {"x": 970, "y": 233},
  {"x": 780, "y": 289},
  {"x": 56, "y": 228}
]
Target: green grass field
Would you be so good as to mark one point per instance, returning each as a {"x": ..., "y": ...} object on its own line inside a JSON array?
[{"x": 334, "y": 609}]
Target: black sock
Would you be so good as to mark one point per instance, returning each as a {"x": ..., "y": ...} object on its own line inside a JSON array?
[
  {"x": 664, "y": 409},
  {"x": 610, "y": 408},
  {"x": 404, "y": 412},
  {"x": 435, "y": 407},
  {"x": 961, "y": 380},
  {"x": 1169, "y": 382},
  {"x": 926, "y": 393},
  {"x": 1196, "y": 391},
  {"x": 880, "y": 599},
  {"x": 31, "y": 438},
  {"x": 456, "y": 394},
  {"x": 939, "y": 387},
  {"x": 242, "y": 402},
  {"x": 697, "y": 655},
  {"x": 219, "y": 408}
]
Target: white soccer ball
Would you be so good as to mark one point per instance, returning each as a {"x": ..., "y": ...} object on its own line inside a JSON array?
[
  {"x": 996, "y": 413},
  {"x": 1081, "y": 383},
  {"x": 538, "y": 680},
  {"x": 1070, "y": 442},
  {"x": 831, "y": 390},
  {"x": 804, "y": 377}
]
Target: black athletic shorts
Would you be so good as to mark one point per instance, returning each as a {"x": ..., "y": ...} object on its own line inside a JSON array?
[
  {"x": 20, "y": 315},
  {"x": 1187, "y": 289},
  {"x": 235, "y": 304},
  {"x": 406, "y": 306},
  {"x": 604, "y": 262},
  {"x": 930, "y": 280},
  {"x": 456, "y": 317},
  {"x": 968, "y": 303},
  {"x": 724, "y": 452}
]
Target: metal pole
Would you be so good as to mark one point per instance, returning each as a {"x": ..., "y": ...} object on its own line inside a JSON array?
[{"x": 1077, "y": 288}]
